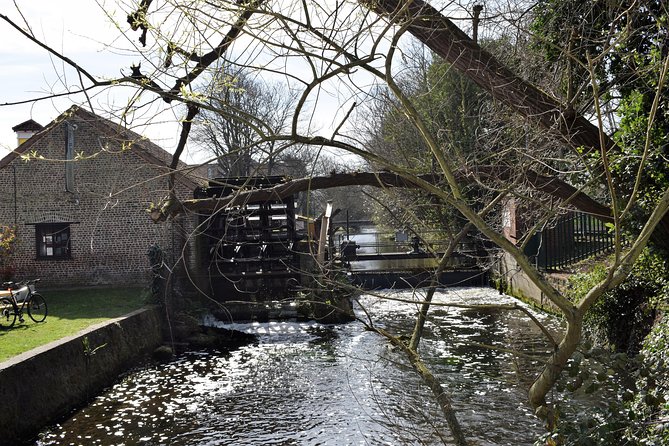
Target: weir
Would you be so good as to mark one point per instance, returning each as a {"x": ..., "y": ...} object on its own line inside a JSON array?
[{"x": 376, "y": 260}]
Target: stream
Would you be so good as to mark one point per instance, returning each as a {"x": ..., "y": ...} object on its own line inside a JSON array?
[{"x": 314, "y": 384}]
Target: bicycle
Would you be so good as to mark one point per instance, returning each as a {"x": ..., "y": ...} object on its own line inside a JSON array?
[{"x": 23, "y": 293}]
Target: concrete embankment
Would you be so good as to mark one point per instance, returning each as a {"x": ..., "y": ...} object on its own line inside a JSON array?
[
  {"x": 515, "y": 282},
  {"x": 45, "y": 384}
]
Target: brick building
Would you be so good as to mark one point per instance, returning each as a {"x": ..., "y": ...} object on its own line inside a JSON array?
[{"x": 77, "y": 192}]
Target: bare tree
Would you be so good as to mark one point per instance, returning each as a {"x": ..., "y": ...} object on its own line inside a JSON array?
[
  {"x": 238, "y": 149},
  {"x": 347, "y": 51}
]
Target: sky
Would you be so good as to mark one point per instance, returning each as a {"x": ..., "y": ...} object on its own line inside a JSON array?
[
  {"x": 85, "y": 31},
  {"x": 81, "y": 31}
]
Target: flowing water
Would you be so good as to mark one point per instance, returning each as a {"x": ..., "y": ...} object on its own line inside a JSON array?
[{"x": 313, "y": 384}]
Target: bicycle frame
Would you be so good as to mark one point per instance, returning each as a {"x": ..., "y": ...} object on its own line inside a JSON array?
[
  {"x": 30, "y": 301},
  {"x": 20, "y": 295}
]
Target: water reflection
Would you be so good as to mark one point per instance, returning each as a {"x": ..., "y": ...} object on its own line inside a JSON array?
[{"x": 310, "y": 384}]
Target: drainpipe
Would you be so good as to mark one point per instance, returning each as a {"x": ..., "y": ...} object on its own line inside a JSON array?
[
  {"x": 347, "y": 225},
  {"x": 16, "y": 212},
  {"x": 69, "y": 157}
]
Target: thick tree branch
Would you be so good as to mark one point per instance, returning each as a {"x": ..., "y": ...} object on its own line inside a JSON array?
[
  {"x": 552, "y": 186},
  {"x": 209, "y": 58},
  {"x": 442, "y": 36},
  {"x": 183, "y": 139},
  {"x": 137, "y": 20}
]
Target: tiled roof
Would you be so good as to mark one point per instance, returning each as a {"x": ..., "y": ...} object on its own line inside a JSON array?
[
  {"x": 150, "y": 152},
  {"x": 28, "y": 126}
]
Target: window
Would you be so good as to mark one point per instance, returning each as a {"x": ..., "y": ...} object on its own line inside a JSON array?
[{"x": 53, "y": 240}]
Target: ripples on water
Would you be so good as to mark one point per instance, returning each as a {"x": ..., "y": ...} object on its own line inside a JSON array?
[{"x": 311, "y": 384}]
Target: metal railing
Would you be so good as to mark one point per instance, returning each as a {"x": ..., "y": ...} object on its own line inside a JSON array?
[
  {"x": 387, "y": 242},
  {"x": 574, "y": 237}
]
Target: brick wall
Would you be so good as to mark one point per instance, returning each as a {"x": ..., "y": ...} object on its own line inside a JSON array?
[{"x": 110, "y": 230}]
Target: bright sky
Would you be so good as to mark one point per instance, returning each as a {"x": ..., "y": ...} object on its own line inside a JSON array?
[
  {"x": 79, "y": 29},
  {"x": 82, "y": 31}
]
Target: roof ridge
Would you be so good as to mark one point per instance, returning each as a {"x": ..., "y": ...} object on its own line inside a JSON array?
[{"x": 154, "y": 153}]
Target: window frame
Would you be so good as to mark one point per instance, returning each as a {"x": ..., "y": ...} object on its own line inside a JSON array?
[{"x": 42, "y": 246}]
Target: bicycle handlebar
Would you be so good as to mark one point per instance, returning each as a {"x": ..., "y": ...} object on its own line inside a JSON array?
[{"x": 16, "y": 285}]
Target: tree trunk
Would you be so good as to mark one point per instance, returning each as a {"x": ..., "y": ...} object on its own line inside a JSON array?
[
  {"x": 551, "y": 372},
  {"x": 435, "y": 386},
  {"x": 443, "y": 37},
  {"x": 421, "y": 318}
]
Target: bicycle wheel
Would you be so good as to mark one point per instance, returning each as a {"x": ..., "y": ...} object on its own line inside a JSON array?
[
  {"x": 37, "y": 308},
  {"x": 7, "y": 314}
]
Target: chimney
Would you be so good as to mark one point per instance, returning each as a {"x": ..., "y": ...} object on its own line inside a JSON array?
[{"x": 26, "y": 130}]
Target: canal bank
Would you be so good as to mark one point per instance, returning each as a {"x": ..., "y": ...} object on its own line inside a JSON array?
[
  {"x": 511, "y": 279},
  {"x": 333, "y": 384},
  {"x": 40, "y": 386}
]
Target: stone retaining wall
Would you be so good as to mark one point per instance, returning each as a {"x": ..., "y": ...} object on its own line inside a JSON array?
[
  {"x": 516, "y": 283},
  {"x": 45, "y": 384}
]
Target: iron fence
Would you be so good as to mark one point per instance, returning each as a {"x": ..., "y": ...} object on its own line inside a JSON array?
[{"x": 574, "y": 237}]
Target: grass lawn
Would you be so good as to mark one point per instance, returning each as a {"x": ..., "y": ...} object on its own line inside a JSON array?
[{"x": 69, "y": 312}]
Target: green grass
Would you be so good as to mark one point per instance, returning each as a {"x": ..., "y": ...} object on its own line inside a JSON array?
[{"x": 70, "y": 311}]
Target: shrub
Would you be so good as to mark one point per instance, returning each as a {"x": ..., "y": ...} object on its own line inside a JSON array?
[
  {"x": 7, "y": 245},
  {"x": 625, "y": 315},
  {"x": 650, "y": 406},
  {"x": 633, "y": 381}
]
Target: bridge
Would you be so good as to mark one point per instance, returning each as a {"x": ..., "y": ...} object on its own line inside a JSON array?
[{"x": 378, "y": 260}]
